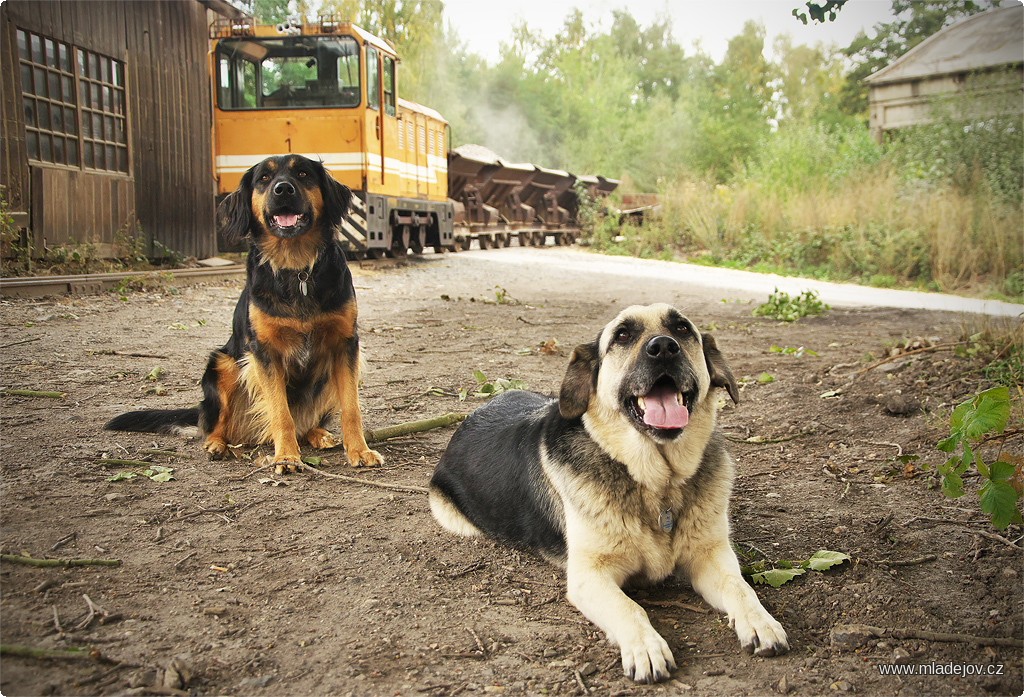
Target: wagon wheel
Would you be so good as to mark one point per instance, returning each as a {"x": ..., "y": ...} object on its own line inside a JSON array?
[
  {"x": 464, "y": 242},
  {"x": 484, "y": 241},
  {"x": 375, "y": 253},
  {"x": 525, "y": 239},
  {"x": 539, "y": 238},
  {"x": 506, "y": 239}
]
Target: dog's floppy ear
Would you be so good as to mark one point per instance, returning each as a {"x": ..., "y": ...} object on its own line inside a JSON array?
[
  {"x": 337, "y": 197},
  {"x": 234, "y": 214},
  {"x": 721, "y": 375},
  {"x": 579, "y": 382}
]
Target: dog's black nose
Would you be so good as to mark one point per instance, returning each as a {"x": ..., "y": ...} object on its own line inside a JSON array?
[
  {"x": 282, "y": 188},
  {"x": 662, "y": 347}
]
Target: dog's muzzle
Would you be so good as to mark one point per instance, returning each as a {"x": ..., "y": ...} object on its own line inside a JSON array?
[
  {"x": 287, "y": 214},
  {"x": 659, "y": 397}
]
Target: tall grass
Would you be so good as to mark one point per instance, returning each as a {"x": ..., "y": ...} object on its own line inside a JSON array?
[{"x": 833, "y": 204}]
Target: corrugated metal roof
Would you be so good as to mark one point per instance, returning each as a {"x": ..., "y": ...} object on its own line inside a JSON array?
[
  {"x": 986, "y": 40},
  {"x": 425, "y": 110}
]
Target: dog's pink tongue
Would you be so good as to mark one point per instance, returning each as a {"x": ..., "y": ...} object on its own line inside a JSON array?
[
  {"x": 663, "y": 411},
  {"x": 286, "y": 220}
]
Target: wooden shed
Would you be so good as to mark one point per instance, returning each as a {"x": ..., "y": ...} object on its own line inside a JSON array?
[
  {"x": 106, "y": 114},
  {"x": 981, "y": 56}
]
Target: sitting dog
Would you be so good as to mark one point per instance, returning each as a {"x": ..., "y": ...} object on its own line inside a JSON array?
[
  {"x": 623, "y": 478},
  {"x": 293, "y": 358}
]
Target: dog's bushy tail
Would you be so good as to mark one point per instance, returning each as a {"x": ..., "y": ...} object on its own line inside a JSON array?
[{"x": 155, "y": 420}]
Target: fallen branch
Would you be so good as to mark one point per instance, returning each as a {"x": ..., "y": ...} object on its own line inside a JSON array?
[
  {"x": 381, "y": 434},
  {"x": 165, "y": 453},
  {"x": 33, "y": 393},
  {"x": 23, "y": 341},
  {"x": 367, "y": 482},
  {"x": 33, "y": 561},
  {"x": 23, "y": 651},
  {"x": 908, "y": 562},
  {"x": 123, "y": 463},
  {"x": 946, "y": 637},
  {"x": 904, "y": 354},
  {"x": 131, "y": 354}
]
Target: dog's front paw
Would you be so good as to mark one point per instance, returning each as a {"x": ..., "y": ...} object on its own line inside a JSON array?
[
  {"x": 647, "y": 658},
  {"x": 287, "y": 465},
  {"x": 364, "y": 457},
  {"x": 322, "y": 439},
  {"x": 216, "y": 448},
  {"x": 760, "y": 633}
]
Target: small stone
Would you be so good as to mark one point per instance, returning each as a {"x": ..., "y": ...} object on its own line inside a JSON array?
[
  {"x": 851, "y": 636},
  {"x": 565, "y": 663},
  {"x": 494, "y": 689},
  {"x": 900, "y": 656},
  {"x": 550, "y": 653},
  {"x": 841, "y": 686},
  {"x": 902, "y": 405},
  {"x": 1009, "y": 573},
  {"x": 587, "y": 669},
  {"x": 250, "y": 683}
]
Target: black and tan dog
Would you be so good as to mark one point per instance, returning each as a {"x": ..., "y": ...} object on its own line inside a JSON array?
[
  {"x": 293, "y": 358},
  {"x": 623, "y": 478}
]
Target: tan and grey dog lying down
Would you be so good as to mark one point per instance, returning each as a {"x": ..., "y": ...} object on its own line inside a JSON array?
[{"x": 623, "y": 478}]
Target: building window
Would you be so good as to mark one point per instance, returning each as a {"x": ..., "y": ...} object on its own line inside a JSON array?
[{"x": 74, "y": 104}]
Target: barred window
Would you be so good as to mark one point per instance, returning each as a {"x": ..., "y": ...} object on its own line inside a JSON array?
[
  {"x": 74, "y": 105},
  {"x": 104, "y": 129}
]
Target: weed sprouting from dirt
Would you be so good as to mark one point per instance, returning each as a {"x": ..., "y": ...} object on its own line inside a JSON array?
[
  {"x": 784, "y": 308},
  {"x": 972, "y": 423}
]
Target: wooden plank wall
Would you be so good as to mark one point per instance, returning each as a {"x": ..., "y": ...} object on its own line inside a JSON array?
[
  {"x": 171, "y": 120},
  {"x": 75, "y": 207},
  {"x": 164, "y": 45}
]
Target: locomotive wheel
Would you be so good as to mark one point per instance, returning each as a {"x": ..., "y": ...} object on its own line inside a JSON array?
[
  {"x": 400, "y": 244},
  {"x": 419, "y": 241}
]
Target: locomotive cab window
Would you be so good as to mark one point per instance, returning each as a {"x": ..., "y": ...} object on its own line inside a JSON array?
[{"x": 288, "y": 73}]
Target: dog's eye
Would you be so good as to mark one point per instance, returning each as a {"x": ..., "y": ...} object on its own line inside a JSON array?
[
  {"x": 622, "y": 336},
  {"x": 265, "y": 178},
  {"x": 301, "y": 175},
  {"x": 683, "y": 328}
]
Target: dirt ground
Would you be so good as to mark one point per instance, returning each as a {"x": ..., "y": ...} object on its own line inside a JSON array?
[{"x": 235, "y": 582}]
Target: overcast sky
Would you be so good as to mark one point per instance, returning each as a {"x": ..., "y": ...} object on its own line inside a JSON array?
[{"x": 484, "y": 24}]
